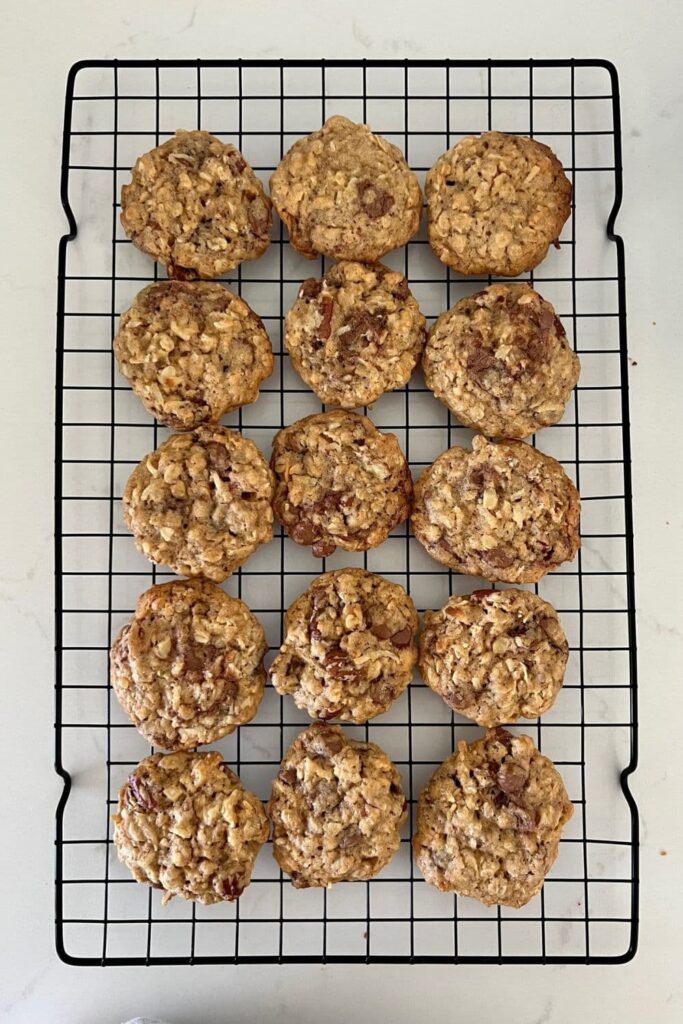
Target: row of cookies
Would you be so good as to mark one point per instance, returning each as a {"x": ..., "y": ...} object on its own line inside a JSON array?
[
  {"x": 204, "y": 500},
  {"x": 488, "y": 822},
  {"x": 499, "y": 359},
  {"x": 188, "y": 668},
  {"x": 495, "y": 202}
]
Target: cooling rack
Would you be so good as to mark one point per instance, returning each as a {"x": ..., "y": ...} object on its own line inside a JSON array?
[{"x": 588, "y": 909}]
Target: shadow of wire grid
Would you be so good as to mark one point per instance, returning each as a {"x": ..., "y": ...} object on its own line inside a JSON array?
[{"x": 588, "y": 908}]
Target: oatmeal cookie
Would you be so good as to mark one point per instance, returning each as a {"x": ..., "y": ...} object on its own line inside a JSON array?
[
  {"x": 200, "y": 503},
  {"x": 489, "y": 820},
  {"x": 195, "y": 205},
  {"x": 337, "y": 808},
  {"x": 185, "y": 825},
  {"x": 500, "y": 361},
  {"x": 346, "y": 193},
  {"x": 350, "y": 646},
  {"x": 188, "y": 668},
  {"x": 355, "y": 333},
  {"x": 494, "y": 655},
  {"x": 505, "y": 511},
  {"x": 495, "y": 203},
  {"x": 192, "y": 351},
  {"x": 339, "y": 482}
]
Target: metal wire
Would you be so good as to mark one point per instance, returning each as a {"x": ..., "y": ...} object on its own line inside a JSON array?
[{"x": 588, "y": 911}]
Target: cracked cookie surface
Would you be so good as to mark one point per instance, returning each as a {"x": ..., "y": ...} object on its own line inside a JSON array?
[
  {"x": 349, "y": 647},
  {"x": 192, "y": 351},
  {"x": 500, "y": 361},
  {"x": 495, "y": 655},
  {"x": 186, "y": 825},
  {"x": 489, "y": 820},
  {"x": 337, "y": 807},
  {"x": 504, "y": 511},
  {"x": 340, "y": 482},
  {"x": 355, "y": 333},
  {"x": 188, "y": 668},
  {"x": 201, "y": 502},
  {"x": 346, "y": 193},
  {"x": 195, "y": 205},
  {"x": 495, "y": 203}
]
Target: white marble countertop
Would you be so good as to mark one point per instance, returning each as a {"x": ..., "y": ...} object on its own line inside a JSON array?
[{"x": 41, "y": 41}]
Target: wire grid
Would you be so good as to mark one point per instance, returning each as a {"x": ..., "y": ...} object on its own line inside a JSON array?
[{"x": 587, "y": 911}]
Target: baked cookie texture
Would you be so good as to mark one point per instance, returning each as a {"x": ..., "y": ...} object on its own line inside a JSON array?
[
  {"x": 186, "y": 825},
  {"x": 192, "y": 351},
  {"x": 188, "y": 668},
  {"x": 489, "y": 820},
  {"x": 500, "y": 361},
  {"x": 349, "y": 648},
  {"x": 346, "y": 193},
  {"x": 504, "y": 511},
  {"x": 340, "y": 482},
  {"x": 355, "y": 333},
  {"x": 195, "y": 205},
  {"x": 337, "y": 807},
  {"x": 200, "y": 503},
  {"x": 495, "y": 655},
  {"x": 495, "y": 203}
]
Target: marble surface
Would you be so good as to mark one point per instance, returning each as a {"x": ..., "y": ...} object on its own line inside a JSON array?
[{"x": 41, "y": 41}]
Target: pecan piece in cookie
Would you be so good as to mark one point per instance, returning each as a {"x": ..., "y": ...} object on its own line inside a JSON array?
[{"x": 374, "y": 201}]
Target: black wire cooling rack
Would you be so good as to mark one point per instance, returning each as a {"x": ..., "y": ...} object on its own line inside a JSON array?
[{"x": 588, "y": 909}]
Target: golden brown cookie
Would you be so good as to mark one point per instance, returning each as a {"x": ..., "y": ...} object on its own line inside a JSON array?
[
  {"x": 349, "y": 648},
  {"x": 489, "y": 820},
  {"x": 504, "y": 511},
  {"x": 188, "y": 668},
  {"x": 192, "y": 351},
  {"x": 500, "y": 361},
  {"x": 339, "y": 482},
  {"x": 355, "y": 333},
  {"x": 200, "y": 503},
  {"x": 185, "y": 825},
  {"x": 495, "y": 203},
  {"x": 495, "y": 655},
  {"x": 346, "y": 193},
  {"x": 337, "y": 807},
  {"x": 195, "y": 205}
]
